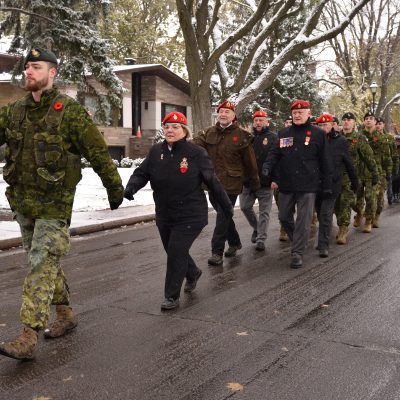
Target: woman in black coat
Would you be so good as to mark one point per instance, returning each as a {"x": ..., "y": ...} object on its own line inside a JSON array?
[{"x": 177, "y": 169}]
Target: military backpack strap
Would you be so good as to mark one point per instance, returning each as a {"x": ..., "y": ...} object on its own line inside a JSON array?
[
  {"x": 56, "y": 113},
  {"x": 18, "y": 112}
]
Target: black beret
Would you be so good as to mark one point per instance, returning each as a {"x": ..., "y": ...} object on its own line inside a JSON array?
[
  {"x": 380, "y": 119},
  {"x": 348, "y": 115},
  {"x": 289, "y": 118},
  {"x": 335, "y": 120},
  {"x": 369, "y": 114},
  {"x": 313, "y": 119},
  {"x": 40, "y": 54}
]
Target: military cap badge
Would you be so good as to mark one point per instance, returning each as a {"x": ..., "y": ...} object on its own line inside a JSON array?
[{"x": 35, "y": 53}]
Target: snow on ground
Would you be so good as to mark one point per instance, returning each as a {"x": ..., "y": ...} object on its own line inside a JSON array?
[{"x": 90, "y": 193}]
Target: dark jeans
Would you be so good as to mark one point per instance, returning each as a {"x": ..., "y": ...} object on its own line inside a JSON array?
[
  {"x": 177, "y": 241},
  {"x": 225, "y": 229},
  {"x": 324, "y": 208}
]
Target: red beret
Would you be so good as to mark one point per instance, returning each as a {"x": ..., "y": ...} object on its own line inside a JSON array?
[
  {"x": 260, "y": 114},
  {"x": 226, "y": 104},
  {"x": 324, "y": 118},
  {"x": 175, "y": 116},
  {"x": 300, "y": 104}
]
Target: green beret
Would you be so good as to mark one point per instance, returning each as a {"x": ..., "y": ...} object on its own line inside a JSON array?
[{"x": 39, "y": 54}]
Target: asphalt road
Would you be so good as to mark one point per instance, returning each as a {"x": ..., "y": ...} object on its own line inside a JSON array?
[{"x": 254, "y": 329}]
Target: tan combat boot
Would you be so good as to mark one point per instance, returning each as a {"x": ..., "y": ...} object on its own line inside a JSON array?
[
  {"x": 367, "y": 226},
  {"x": 342, "y": 235},
  {"x": 283, "y": 237},
  {"x": 65, "y": 321},
  {"x": 375, "y": 221},
  {"x": 357, "y": 220},
  {"x": 23, "y": 347}
]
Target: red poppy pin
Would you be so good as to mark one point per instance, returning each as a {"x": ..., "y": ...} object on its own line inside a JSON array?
[
  {"x": 58, "y": 106},
  {"x": 376, "y": 138},
  {"x": 184, "y": 166},
  {"x": 354, "y": 141},
  {"x": 308, "y": 133},
  {"x": 235, "y": 138}
]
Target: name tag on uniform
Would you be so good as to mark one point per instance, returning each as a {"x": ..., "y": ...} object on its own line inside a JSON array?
[{"x": 286, "y": 142}]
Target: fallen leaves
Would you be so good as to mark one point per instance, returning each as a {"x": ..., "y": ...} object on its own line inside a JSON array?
[
  {"x": 284, "y": 349},
  {"x": 3, "y": 325},
  {"x": 324, "y": 305},
  {"x": 67, "y": 379},
  {"x": 41, "y": 398},
  {"x": 234, "y": 386},
  {"x": 242, "y": 333}
]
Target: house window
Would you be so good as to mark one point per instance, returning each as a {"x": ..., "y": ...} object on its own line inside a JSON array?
[{"x": 167, "y": 108}]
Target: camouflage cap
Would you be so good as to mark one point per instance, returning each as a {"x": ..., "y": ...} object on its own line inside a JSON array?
[{"x": 40, "y": 54}]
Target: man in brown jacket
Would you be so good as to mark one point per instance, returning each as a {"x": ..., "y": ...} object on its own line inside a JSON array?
[{"x": 230, "y": 150}]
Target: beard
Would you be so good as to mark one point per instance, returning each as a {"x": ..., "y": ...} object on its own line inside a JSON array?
[{"x": 33, "y": 85}]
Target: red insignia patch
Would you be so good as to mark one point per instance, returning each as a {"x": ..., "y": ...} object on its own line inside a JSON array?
[
  {"x": 184, "y": 166},
  {"x": 376, "y": 138},
  {"x": 235, "y": 138},
  {"x": 308, "y": 133},
  {"x": 58, "y": 106},
  {"x": 354, "y": 141}
]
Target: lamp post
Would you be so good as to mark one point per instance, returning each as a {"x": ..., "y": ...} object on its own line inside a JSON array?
[{"x": 374, "y": 87}]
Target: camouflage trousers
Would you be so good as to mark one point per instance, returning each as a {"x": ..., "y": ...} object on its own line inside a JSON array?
[
  {"x": 345, "y": 202},
  {"x": 45, "y": 241},
  {"x": 380, "y": 201},
  {"x": 370, "y": 194}
]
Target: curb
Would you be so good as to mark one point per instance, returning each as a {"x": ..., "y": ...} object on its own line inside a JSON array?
[{"x": 7, "y": 244}]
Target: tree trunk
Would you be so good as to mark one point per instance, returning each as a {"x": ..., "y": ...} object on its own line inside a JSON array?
[{"x": 201, "y": 107}]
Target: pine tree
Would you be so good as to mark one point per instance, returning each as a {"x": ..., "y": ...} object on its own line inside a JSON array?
[{"x": 70, "y": 29}]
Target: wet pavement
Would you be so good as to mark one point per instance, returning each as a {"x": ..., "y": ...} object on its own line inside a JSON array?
[{"x": 253, "y": 329}]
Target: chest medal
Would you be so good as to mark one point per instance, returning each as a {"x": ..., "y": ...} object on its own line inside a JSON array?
[
  {"x": 184, "y": 166},
  {"x": 265, "y": 141},
  {"x": 286, "y": 142}
]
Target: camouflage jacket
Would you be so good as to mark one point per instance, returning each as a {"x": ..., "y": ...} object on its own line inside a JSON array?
[
  {"x": 381, "y": 149},
  {"x": 394, "y": 154},
  {"x": 233, "y": 156},
  {"x": 362, "y": 156},
  {"x": 45, "y": 142}
]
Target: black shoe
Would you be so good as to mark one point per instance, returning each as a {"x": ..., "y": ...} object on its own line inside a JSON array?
[
  {"x": 254, "y": 237},
  {"x": 297, "y": 262},
  {"x": 191, "y": 285},
  {"x": 260, "y": 246},
  {"x": 323, "y": 253},
  {"x": 169, "y": 304},
  {"x": 215, "y": 259},
  {"x": 231, "y": 252}
]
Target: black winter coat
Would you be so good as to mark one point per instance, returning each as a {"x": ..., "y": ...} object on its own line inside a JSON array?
[
  {"x": 339, "y": 149},
  {"x": 176, "y": 177},
  {"x": 263, "y": 143},
  {"x": 304, "y": 160}
]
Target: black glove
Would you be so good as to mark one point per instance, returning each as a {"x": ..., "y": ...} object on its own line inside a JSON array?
[
  {"x": 265, "y": 171},
  {"x": 128, "y": 193},
  {"x": 115, "y": 204},
  {"x": 354, "y": 186},
  {"x": 374, "y": 180},
  {"x": 326, "y": 193}
]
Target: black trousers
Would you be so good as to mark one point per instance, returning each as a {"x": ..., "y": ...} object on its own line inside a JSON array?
[
  {"x": 177, "y": 241},
  {"x": 225, "y": 229},
  {"x": 324, "y": 208}
]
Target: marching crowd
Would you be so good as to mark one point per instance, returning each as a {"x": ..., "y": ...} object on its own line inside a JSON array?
[{"x": 311, "y": 166}]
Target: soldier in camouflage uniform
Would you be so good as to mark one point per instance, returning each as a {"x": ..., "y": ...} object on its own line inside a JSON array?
[
  {"x": 380, "y": 147},
  {"x": 365, "y": 164},
  {"x": 380, "y": 127},
  {"x": 46, "y": 134}
]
